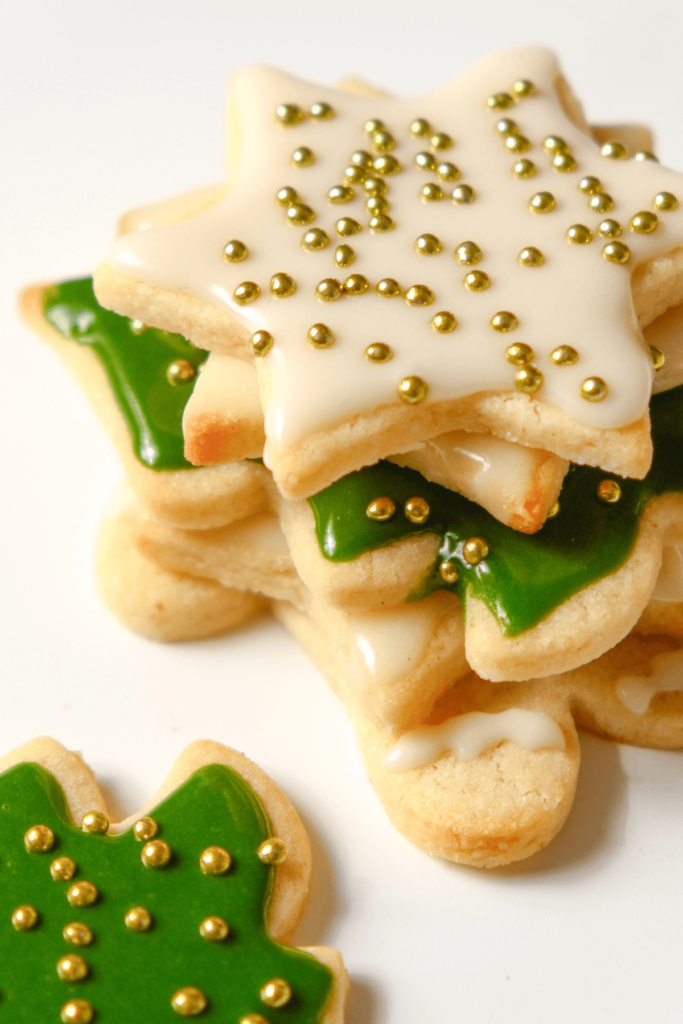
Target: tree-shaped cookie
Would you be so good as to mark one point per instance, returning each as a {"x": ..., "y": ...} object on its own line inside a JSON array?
[{"x": 181, "y": 911}]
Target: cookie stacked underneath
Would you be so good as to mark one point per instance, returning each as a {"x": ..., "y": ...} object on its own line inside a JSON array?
[{"x": 452, "y": 493}]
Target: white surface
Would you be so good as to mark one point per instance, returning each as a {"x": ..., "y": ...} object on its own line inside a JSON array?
[{"x": 107, "y": 106}]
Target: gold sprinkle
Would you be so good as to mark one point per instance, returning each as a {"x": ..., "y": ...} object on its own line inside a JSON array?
[
  {"x": 347, "y": 226},
  {"x": 156, "y": 854},
  {"x": 138, "y": 919},
  {"x": 616, "y": 252},
  {"x": 448, "y": 172},
  {"x": 288, "y": 114},
  {"x": 376, "y": 205},
  {"x": 145, "y": 829},
  {"x": 428, "y": 245},
  {"x": 380, "y": 510},
  {"x": 475, "y": 550},
  {"x": 344, "y": 255},
  {"x": 388, "y": 288},
  {"x": 431, "y": 193},
  {"x": 523, "y": 89},
  {"x": 383, "y": 141},
  {"x": 72, "y": 967},
  {"x": 387, "y": 165},
  {"x": 519, "y": 354},
  {"x": 321, "y": 111},
  {"x": 614, "y": 151},
  {"x": 299, "y": 213},
  {"x": 282, "y": 286},
  {"x": 443, "y": 322},
  {"x": 275, "y": 992},
  {"x": 63, "y": 869},
  {"x": 468, "y": 253},
  {"x": 448, "y": 572},
  {"x": 137, "y": 327},
  {"x": 416, "y": 510},
  {"x": 261, "y": 344},
  {"x": 658, "y": 357},
  {"x": 609, "y": 491},
  {"x": 441, "y": 141},
  {"x": 531, "y": 257},
  {"x": 381, "y": 223},
  {"x": 463, "y": 194},
  {"x": 506, "y": 126},
  {"x": 354, "y": 175},
  {"x": 178, "y": 372},
  {"x": 315, "y": 239},
  {"x": 272, "y": 851},
  {"x": 665, "y": 201},
  {"x": 286, "y": 196},
  {"x": 413, "y": 390},
  {"x": 609, "y": 228},
  {"x": 24, "y": 918},
  {"x": 590, "y": 185},
  {"x": 375, "y": 186},
  {"x": 644, "y": 154},
  {"x": 214, "y": 929},
  {"x": 504, "y": 322},
  {"x": 235, "y": 251},
  {"x": 361, "y": 158},
  {"x": 39, "y": 839},
  {"x": 579, "y": 234},
  {"x": 329, "y": 290},
  {"x": 340, "y": 194},
  {"x": 419, "y": 295},
  {"x": 594, "y": 389},
  {"x": 356, "y": 284},
  {"x": 77, "y": 1011},
  {"x": 189, "y": 1001},
  {"x": 253, "y": 1018},
  {"x": 500, "y": 101},
  {"x": 419, "y": 128},
  {"x": 644, "y": 223},
  {"x": 524, "y": 168},
  {"x": 555, "y": 144},
  {"x": 246, "y": 292},
  {"x": 564, "y": 162},
  {"x": 378, "y": 352},
  {"x": 564, "y": 355},
  {"x": 601, "y": 203},
  {"x": 542, "y": 202},
  {"x": 528, "y": 380},
  {"x": 82, "y": 894},
  {"x": 476, "y": 281},
  {"x": 554, "y": 510},
  {"x": 517, "y": 144},
  {"x": 320, "y": 336},
  {"x": 303, "y": 157},
  {"x": 425, "y": 161},
  {"x": 77, "y": 934},
  {"x": 96, "y": 821},
  {"x": 214, "y": 860},
  {"x": 373, "y": 125}
]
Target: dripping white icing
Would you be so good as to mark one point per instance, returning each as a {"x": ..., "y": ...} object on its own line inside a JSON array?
[
  {"x": 469, "y": 735},
  {"x": 669, "y": 585},
  {"x": 636, "y": 692}
]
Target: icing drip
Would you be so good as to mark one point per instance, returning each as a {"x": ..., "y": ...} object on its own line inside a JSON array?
[
  {"x": 636, "y": 692},
  {"x": 467, "y": 736},
  {"x": 669, "y": 585}
]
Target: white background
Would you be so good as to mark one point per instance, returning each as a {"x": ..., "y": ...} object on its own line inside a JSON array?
[{"x": 106, "y": 106}]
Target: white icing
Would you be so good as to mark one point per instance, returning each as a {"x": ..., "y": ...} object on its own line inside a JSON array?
[
  {"x": 388, "y": 643},
  {"x": 669, "y": 585},
  {"x": 666, "y": 675},
  {"x": 576, "y": 298},
  {"x": 469, "y": 735}
]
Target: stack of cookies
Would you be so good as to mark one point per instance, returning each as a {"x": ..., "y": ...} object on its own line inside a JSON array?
[{"x": 423, "y": 431}]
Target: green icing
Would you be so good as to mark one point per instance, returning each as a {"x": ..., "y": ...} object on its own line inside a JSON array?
[
  {"x": 133, "y": 975},
  {"x": 524, "y": 577},
  {"x": 136, "y": 367}
]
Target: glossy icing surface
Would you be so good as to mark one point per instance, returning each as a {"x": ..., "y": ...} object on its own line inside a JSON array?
[
  {"x": 575, "y": 298},
  {"x": 136, "y": 364},
  {"x": 524, "y": 578},
  {"x": 133, "y": 975}
]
